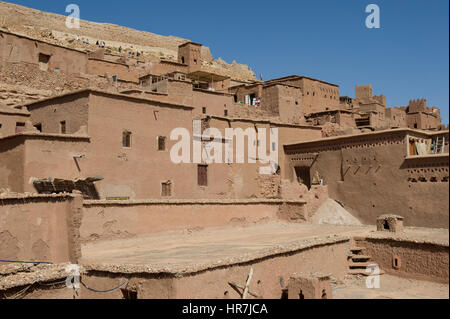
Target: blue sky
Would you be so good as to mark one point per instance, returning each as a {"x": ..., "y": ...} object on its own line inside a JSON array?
[{"x": 408, "y": 57}]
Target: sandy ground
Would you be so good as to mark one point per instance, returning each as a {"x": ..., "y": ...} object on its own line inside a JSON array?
[
  {"x": 391, "y": 287},
  {"x": 209, "y": 245}
]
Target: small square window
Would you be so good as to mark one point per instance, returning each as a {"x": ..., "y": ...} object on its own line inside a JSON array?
[
  {"x": 166, "y": 189},
  {"x": 126, "y": 139},
  {"x": 39, "y": 127},
  {"x": 202, "y": 175},
  {"x": 161, "y": 143},
  {"x": 20, "y": 127},
  {"x": 63, "y": 127}
]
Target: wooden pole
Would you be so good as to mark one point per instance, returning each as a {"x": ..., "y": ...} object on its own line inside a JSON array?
[{"x": 249, "y": 279}]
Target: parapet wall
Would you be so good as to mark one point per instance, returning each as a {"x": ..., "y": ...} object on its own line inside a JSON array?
[
  {"x": 40, "y": 228},
  {"x": 409, "y": 258},
  {"x": 104, "y": 220}
]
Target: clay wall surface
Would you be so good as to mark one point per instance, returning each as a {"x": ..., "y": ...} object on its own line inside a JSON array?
[
  {"x": 317, "y": 95},
  {"x": 9, "y": 118},
  {"x": 373, "y": 167},
  {"x": 165, "y": 67},
  {"x": 53, "y": 157},
  {"x": 114, "y": 220},
  {"x": 214, "y": 102},
  {"x": 396, "y": 117},
  {"x": 123, "y": 71},
  {"x": 12, "y": 159},
  {"x": 417, "y": 260},
  {"x": 422, "y": 120},
  {"x": 72, "y": 109},
  {"x": 14, "y": 48},
  {"x": 270, "y": 276},
  {"x": 40, "y": 228}
]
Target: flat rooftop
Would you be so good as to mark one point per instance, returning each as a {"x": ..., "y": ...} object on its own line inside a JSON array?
[{"x": 192, "y": 251}]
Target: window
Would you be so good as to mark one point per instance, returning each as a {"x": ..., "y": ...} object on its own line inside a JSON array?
[
  {"x": 161, "y": 143},
  {"x": 225, "y": 112},
  {"x": 126, "y": 139},
  {"x": 204, "y": 110},
  {"x": 195, "y": 61},
  {"x": 303, "y": 175},
  {"x": 203, "y": 175},
  {"x": 182, "y": 59},
  {"x": 129, "y": 294},
  {"x": 39, "y": 127},
  {"x": 166, "y": 189},
  {"x": 20, "y": 127},
  {"x": 63, "y": 127},
  {"x": 43, "y": 61},
  {"x": 235, "y": 98}
]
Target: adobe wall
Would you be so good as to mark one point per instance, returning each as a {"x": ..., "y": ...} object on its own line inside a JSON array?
[
  {"x": 9, "y": 118},
  {"x": 105, "y": 220},
  {"x": 73, "y": 109},
  {"x": 363, "y": 172},
  {"x": 47, "y": 156},
  {"x": 102, "y": 67},
  {"x": 317, "y": 95},
  {"x": 417, "y": 260},
  {"x": 12, "y": 159},
  {"x": 14, "y": 48},
  {"x": 214, "y": 102},
  {"x": 270, "y": 276},
  {"x": 40, "y": 228}
]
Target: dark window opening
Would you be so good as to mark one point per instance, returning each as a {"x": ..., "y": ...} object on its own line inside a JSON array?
[
  {"x": 252, "y": 99},
  {"x": 324, "y": 294},
  {"x": 161, "y": 143},
  {"x": 235, "y": 98},
  {"x": 203, "y": 175},
  {"x": 303, "y": 176},
  {"x": 38, "y": 127},
  {"x": 126, "y": 139},
  {"x": 284, "y": 294},
  {"x": 195, "y": 61},
  {"x": 415, "y": 125},
  {"x": 63, "y": 127},
  {"x": 43, "y": 61},
  {"x": 225, "y": 112},
  {"x": 386, "y": 225},
  {"x": 129, "y": 294},
  {"x": 204, "y": 110},
  {"x": 166, "y": 189},
  {"x": 301, "y": 295},
  {"x": 182, "y": 59},
  {"x": 20, "y": 127}
]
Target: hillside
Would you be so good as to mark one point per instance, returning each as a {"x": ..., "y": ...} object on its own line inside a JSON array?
[{"x": 51, "y": 28}]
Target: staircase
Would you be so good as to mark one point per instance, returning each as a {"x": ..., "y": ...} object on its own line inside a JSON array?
[{"x": 358, "y": 262}]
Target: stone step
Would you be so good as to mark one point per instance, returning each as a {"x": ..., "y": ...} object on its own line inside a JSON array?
[
  {"x": 360, "y": 257},
  {"x": 359, "y": 265},
  {"x": 363, "y": 272},
  {"x": 357, "y": 250}
]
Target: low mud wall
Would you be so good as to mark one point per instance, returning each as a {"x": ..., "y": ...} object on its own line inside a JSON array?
[
  {"x": 270, "y": 276},
  {"x": 40, "y": 228},
  {"x": 409, "y": 259},
  {"x": 113, "y": 219}
]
